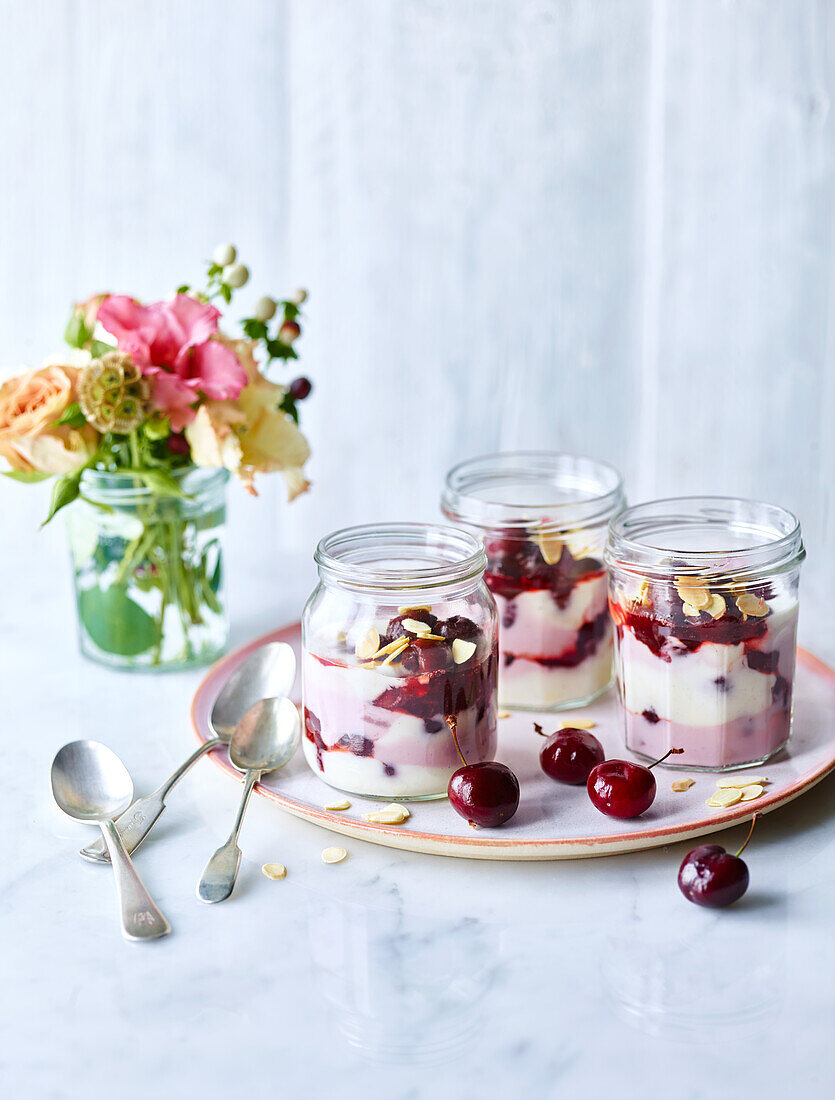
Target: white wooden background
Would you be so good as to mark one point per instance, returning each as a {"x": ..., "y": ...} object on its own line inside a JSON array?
[{"x": 594, "y": 225}]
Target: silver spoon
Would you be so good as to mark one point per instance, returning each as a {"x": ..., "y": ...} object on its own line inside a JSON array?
[
  {"x": 264, "y": 739},
  {"x": 269, "y": 671},
  {"x": 90, "y": 783}
]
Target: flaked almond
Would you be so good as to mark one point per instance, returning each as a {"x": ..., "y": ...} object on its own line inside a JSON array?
[
  {"x": 414, "y": 626},
  {"x": 367, "y": 644},
  {"x": 389, "y": 647},
  {"x": 643, "y": 593},
  {"x": 752, "y": 605},
  {"x": 690, "y": 611},
  {"x": 550, "y": 546},
  {"x": 432, "y": 637},
  {"x": 417, "y": 609},
  {"x": 342, "y": 804},
  {"x": 752, "y": 791},
  {"x": 395, "y": 653},
  {"x": 503, "y": 714},
  {"x": 334, "y": 855},
  {"x": 692, "y": 592},
  {"x": 716, "y": 607},
  {"x": 274, "y": 870},
  {"x": 462, "y": 650},
  {"x": 682, "y": 784},
  {"x": 740, "y": 780},
  {"x": 576, "y": 724},
  {"x": 390, "y": 815},
  {"x": 728, "y": 796}
]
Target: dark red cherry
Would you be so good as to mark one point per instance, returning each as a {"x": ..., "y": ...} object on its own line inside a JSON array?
[
  {"x": 622, "y": 788},
  {"x": 486, "y": 794},
  {"x": 570, "y": 754},
  {"x": 300, "y": 388},
  {"x": 422, "y": 656},
  {"x": 457, "y": 626},
  {"x": 712, "y": 877},
  {"x": 396, "y": 629}
]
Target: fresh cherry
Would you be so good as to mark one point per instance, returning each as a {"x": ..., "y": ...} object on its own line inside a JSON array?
[
  {"x": 458, "y": 626},
  {"x": 300, "y": 388},
  {"x": 570, "y": 754},
  {"x": 485, "y": 794},
  {"x": 621, "y": 788},
  {"x": 712, "y": 877}
]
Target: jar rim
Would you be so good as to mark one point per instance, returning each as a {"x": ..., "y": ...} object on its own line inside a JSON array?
[
  {"x": 575, "y": 490},
  {"x": 121, "y": 486},
  {"x": 753, "y": 538},
  {"x": 348, "y": 556}
]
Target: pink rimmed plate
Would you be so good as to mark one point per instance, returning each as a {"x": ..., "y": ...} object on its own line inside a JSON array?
[{"x": 553, "y": 821}]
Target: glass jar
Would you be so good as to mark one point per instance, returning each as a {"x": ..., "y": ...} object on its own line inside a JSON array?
[
  {"x": 543, "y": 519},
  {"x": 399, "y": 660},
  {"x": 704, "y": 596},
  {"x": 147, "y": 570}
]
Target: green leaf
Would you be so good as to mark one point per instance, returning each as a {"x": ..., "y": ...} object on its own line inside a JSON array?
[
  {"x": 77, "y": 334},
  {"x": 72, "y": 416},
  {"x": 156, "y": 427},
  {"x": 288, "y": 405},
  {"x": 98, "y": 348},
  {"x": 64, "y": 492},
  {"x": 226, "y": 293},
  {"x": 115, "y": 623},
  {"x": 255, "y": 330},
  {"x": 291, "y": 310},
  {"x": 184, "y": 289},
  {"x": 27, "y": 476},
  {"x": 277, "y": 349},
  {"x": 160, "y": 482}
]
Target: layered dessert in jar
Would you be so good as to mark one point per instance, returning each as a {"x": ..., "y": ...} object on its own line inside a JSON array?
[
  {"x": 543, "y": 518},
  {"x": 399, "y": 660},
  {"x": 704, "y": 597}
]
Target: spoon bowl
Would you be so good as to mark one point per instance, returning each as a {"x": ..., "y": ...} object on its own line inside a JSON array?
[
  {"x": 90, "y": 782},
  {"x": 267, "y": 736},
  {"x": 269, "y": 672}
]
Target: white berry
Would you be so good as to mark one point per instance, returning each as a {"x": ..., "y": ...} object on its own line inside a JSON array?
[
  {"x": 264, "y": 309},
  {"x": 224, "y": 255},
  {"x": 236, "y": 275},
  {"x": 298, "y": 297}
]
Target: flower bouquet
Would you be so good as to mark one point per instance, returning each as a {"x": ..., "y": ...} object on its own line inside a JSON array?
[{"x": 140, "y": 424}]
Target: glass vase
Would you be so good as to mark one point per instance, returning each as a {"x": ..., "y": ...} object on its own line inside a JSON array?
[{"x": 147, "y": 570}]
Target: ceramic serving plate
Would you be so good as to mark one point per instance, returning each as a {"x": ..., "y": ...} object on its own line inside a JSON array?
[{"x": 553, "y": 821}]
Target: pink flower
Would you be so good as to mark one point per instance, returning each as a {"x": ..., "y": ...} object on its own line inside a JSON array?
[{"x": 174, "y": 344}]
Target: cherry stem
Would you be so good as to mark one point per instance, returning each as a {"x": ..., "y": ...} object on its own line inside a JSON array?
[
  {"x": 750, "y": 831},
  {"x": 452, "y": 723},
  {"x": 538, "y": 729},
  {"x": 661, "y": 759}
]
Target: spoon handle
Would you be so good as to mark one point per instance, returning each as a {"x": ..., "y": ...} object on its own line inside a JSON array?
[
  {"x": 138, "y": 820},
  {"x": 141, "y": 919},
  {"x": 218, "y": 879}
]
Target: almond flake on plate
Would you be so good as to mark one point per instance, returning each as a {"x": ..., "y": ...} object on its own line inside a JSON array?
[
  {"x": 577, "y": 724},
  {"x": 342, "y": 804},
  {"x": 367, "y": 644},
  {"x": 389, "y": 815},
  {"x": 503, "y": 714},
  {"x": 462, "y": 651},
  {"x": 724, "y": 798},
  {"x": 740, "y": 780},
  {"x": 682, "y": 784},
  {"x": 334, "y": 855},
  {"x": 754, "y": 790},
  {"x": 274, "y": 870}
]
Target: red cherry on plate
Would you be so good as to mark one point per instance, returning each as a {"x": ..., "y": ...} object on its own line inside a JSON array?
[
  {"x": 570, "y": 754},
  {"x": 622, "y": 788},
  {"x": 712, "y": 877},
  {"x": 486, "y": 793}
]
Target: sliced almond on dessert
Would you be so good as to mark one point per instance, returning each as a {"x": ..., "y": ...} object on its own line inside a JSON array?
[
  {"x": 643, "y": 593},
  {"x": 550, "y": 546},
  {"x": 752, "y": 605},
  {"x": 342, "y": 804},
  {"x": 462, "y": 650},
  {"x": 729, "y": 796},
  {"x": 740, "y": 780},
  {"x": 395, "y": 653},
  {"x": 389, "y": 815},
  {"x": 416, "y": 608},
  {"x": 692, "y": 592},
  {"x": 576, "y": 724},
  {"x": 334, "y": 855},
  {"x": 752, "y": 791},
  {"x": 716, "y": 607},
  {"x": 389, "y": 647},
  {"x": 689, "y": 610},
  {"x": 682, "y": 784},
  {"x": 414, "y": 626},
  {"x": 274, "y": 870},
  {"x": 367, "y": 644},
  {"x": 432, "y": 637}
]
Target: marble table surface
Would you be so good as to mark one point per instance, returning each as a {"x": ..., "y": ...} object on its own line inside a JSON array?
[{"x": 390, "y": 974}]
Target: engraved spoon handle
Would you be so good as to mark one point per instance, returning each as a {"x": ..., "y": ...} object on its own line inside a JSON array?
[{"x": 141, "y": 919}]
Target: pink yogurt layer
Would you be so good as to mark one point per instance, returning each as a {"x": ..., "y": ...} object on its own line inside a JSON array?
[{"x": 745, "y": 740}]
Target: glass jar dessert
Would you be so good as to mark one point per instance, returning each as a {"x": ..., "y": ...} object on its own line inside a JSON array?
[
  {"x": 399, "y": 660},
  {"x": 704, "y": 596},
  {"x": 543, "y": 519}
]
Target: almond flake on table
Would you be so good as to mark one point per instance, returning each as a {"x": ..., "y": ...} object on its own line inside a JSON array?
[
  {"x": 503, "y": 714},
  {"x": 682, "y": 784},
  {"x": 274, "y": 870},
  {"x": 577, "y": 724},
  {"x": 334, "y": 855}
]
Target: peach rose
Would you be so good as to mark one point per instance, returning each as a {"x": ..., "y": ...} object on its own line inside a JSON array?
[{"x": 29, "y": 406}]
